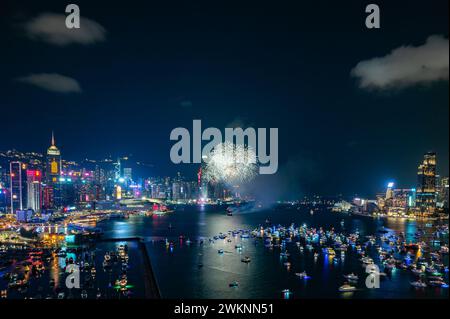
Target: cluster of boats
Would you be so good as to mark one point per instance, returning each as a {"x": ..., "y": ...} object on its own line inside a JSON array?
[
  {"x": 26, "y": 272},
  {"x": 383, "y": 252}
]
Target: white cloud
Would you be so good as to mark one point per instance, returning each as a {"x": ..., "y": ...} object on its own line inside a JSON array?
[
  {"x": 406, "y": 66},
  {"x": 52, "y": 82},
  {"x": 51, "y": 28}
]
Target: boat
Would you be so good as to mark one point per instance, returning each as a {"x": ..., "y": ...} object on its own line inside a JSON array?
[
  {"x": 351, "y": 277},
  {"x": 286, "y": 293},
  {"x": 234, "y": 284},
  {"x": 220, "y": 251},
  {"x": 302, "y": 275},
  {"x": 346, "y": 288},
  {"x": 418, "y": 284},
  {"x": 246, "y": 259},
  {"x": 367, "y": 260}
]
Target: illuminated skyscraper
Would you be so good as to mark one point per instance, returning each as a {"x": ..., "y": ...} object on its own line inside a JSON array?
[
  {"x": 17, "y": 186},
  {"x": 127, "y": 174},
  {"x": 389, "y": 191},
  {"x": 443, "y": 192},
  {"x": 53, "y": 173},
  {"x": 34, "y": 193},
  {"x": 426, "y": 188}
]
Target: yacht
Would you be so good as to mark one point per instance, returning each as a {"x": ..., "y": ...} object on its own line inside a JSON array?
[
  {"x": 346, "y": 288},
  {"x": 418, "y": 284},
  {"x": 351, "y": 277},
  {"x": 302, "y": 275},
  {"x": 246, "y": 259}
]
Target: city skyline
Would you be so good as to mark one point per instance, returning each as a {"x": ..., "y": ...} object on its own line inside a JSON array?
[
  {"x": 51, "y": 168},
  {"x": 350, "y": 132},
  {"x": 220, "y": 158}
]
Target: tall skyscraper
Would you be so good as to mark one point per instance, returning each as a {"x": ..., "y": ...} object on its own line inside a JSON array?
[
  {"x": 426, "y": 188},
  {"x": 443, "y": 192},
  {"x": 34, "y": 193},
  {"x": 128, "y": 174},
  {"x": 52, "y": 176},
  {"x": 17, "y": 186}
]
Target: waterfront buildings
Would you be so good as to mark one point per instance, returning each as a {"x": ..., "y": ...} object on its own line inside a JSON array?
[
  {"x": 34, "y": 192},
  {"x": 17, "y": 186},
  {"x": 426, "y": 186},
  {"x": 52, "y": 176}
]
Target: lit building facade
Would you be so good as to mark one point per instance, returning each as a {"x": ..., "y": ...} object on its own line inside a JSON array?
[
  {"x": 34, "y": 192},
  {"x": 53, "y": 174},
  {"x": 426, "y": 188},
  {"x": 17, "y": 172}
]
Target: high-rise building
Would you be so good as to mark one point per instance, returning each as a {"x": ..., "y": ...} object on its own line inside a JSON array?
[
  {"x": 17, "y": 172},
  {"x": 404, "y": 197},
  {"x": 443, "y": 192},
  {"x": 389, "y": 191},
  {"x": 127, "y": 174},
  {"x": 426, "y": 187},
  {"x": 52, "y": 175},
  {"x": 34, "y": 193},
  {"x": 176, "y": 191}
]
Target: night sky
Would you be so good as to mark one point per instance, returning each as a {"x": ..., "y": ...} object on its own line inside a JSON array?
[{"x": 157, "y": 66}]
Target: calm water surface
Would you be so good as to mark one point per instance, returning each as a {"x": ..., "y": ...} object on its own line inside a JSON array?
[{"x": 179, "y": 275}]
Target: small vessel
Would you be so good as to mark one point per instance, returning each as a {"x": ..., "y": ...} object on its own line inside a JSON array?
[
  {"x": 286, "y": 293},
  {"x": 418, "y": 284},
  {"x": 346, "y": 288},
  {"x": 351, "y": 277},
  {"x": 220, "y": 251},
  {"x": 302, "y": 275},
  {"x": 234, "y": 284},
  {"x": 246, "y": 259}
]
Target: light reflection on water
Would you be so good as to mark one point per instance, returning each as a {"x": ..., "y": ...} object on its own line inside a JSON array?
[{"x": 179, "y": 274}]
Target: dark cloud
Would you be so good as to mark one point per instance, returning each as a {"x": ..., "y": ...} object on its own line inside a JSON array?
[
  {"x": 52, "y": 82},
  {"x": 51, "y": 28},
  {"x": 406, "y": 66}
]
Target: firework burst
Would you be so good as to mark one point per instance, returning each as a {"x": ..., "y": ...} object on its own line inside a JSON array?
[{"x": 230, "y": 163}]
